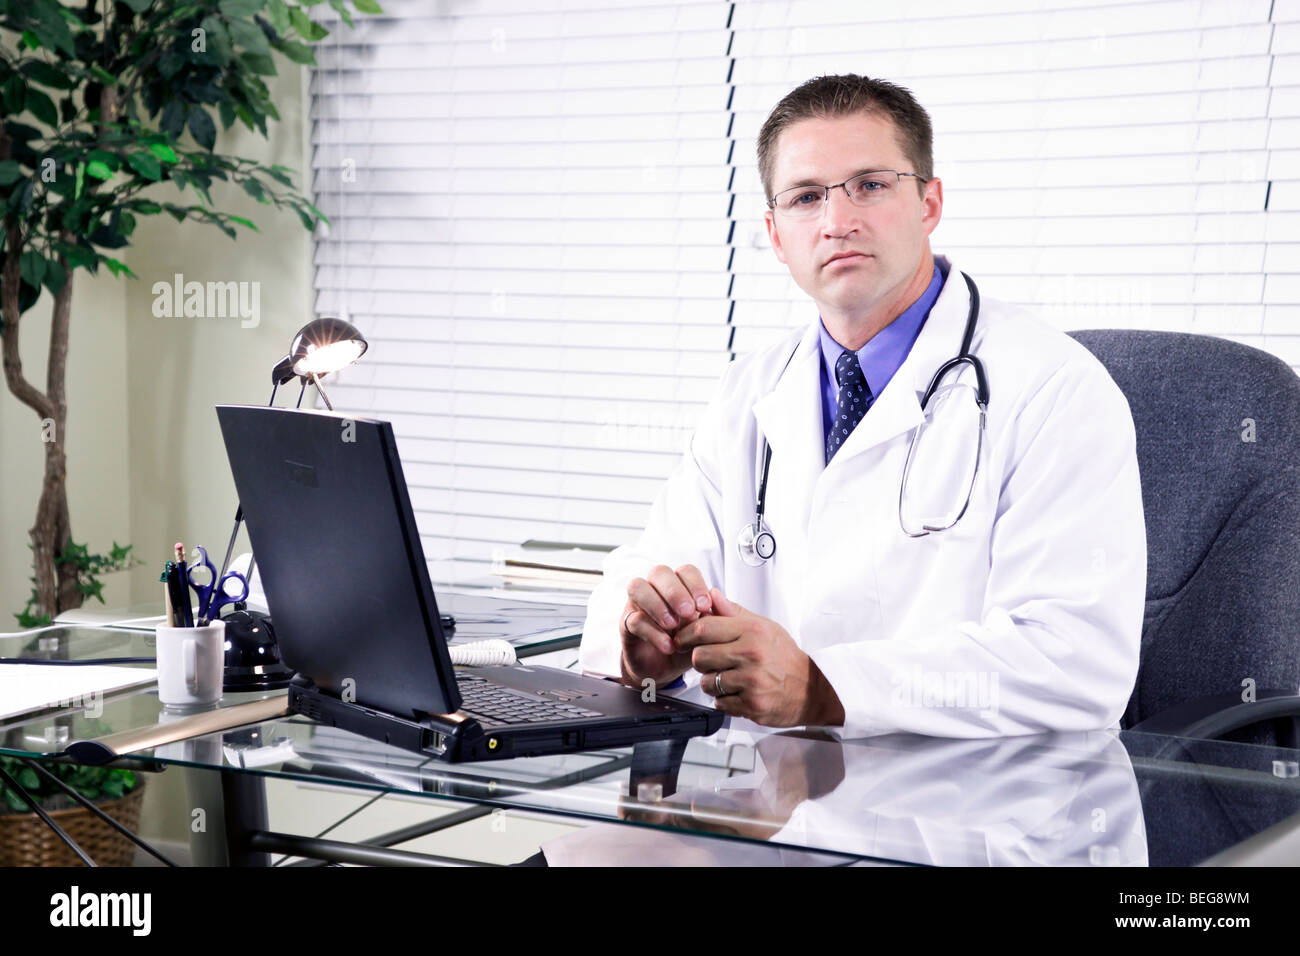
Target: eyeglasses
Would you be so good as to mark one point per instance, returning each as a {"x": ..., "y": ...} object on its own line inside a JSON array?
[{"x": 865, "y": 189}]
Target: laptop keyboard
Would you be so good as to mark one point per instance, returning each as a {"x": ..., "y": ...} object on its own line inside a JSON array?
[{"x": 487, "y": 701}]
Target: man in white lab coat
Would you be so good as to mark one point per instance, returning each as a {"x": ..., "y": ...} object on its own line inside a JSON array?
[{"x": 1024, "y": 616}]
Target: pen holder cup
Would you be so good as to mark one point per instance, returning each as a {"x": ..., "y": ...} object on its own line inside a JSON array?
[{"x": 191, "y": 664}]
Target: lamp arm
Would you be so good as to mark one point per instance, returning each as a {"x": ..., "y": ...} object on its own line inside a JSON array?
[{"x": 321, "y": 388}]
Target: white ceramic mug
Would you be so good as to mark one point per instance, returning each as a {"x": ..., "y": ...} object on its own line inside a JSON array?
[{"x": 191, "y": 663}]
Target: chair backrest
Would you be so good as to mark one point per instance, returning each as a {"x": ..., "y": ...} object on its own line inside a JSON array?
[{"x": 1218, "y": 444}]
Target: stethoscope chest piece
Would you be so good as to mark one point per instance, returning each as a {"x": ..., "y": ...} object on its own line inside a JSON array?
[{"x": 755, "y": 549}]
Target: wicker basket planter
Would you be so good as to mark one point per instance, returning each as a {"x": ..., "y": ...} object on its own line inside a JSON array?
[{"x": 25, "y": 840}]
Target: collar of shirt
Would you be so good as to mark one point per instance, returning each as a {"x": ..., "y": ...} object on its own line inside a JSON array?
[{"x": 881, "y": 357}]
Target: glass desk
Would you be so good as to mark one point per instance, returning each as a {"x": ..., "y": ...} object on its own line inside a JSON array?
[{"x": 745, "y": 795}]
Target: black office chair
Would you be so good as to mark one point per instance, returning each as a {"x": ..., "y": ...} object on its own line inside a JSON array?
[{"x": 1218, "y": 443}]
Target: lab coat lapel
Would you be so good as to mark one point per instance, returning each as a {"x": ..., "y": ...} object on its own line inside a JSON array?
[
  {"x": 791, "y": 417},
  {"x": 898, "y": 408}
]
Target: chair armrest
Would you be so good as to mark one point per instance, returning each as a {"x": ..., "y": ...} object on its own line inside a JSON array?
[{"x": 1210, "y": 718}]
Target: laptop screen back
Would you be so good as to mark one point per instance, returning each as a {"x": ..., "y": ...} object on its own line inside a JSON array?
[{"x": 339, "y": 555}]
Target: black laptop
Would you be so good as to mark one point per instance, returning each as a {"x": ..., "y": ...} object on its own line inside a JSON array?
[{"x": 341, "y": 563}]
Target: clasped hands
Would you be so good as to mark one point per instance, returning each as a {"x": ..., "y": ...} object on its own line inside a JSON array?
[{"x": 674, "y": 621}]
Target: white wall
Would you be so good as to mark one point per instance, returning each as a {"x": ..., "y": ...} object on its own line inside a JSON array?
[{"x": 180, "y": 368}]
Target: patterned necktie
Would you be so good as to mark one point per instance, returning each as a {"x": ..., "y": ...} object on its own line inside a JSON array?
[{"x": 855, "y": 398}]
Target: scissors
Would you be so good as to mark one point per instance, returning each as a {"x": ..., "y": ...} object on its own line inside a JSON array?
[{"x": 212, "y": 592}]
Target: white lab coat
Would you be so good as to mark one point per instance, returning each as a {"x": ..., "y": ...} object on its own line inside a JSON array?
[{"x": 1032, "y": 604}]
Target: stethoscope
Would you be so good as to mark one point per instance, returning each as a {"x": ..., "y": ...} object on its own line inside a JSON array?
[{"x": 757, "y": 544}]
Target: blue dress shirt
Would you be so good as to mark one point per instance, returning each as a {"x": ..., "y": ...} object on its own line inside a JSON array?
[{"x": 881, "y": 357}]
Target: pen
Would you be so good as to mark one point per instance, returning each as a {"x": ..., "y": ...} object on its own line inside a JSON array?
[
  {"x": 187, "y": 612},
  {"x": 176, "y": 592},
  {"x": 169, "y": 613}
]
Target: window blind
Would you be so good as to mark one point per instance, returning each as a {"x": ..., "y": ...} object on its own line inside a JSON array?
[
  {"x": 1108, "y": 165},
  {"x": 529, "y": 223},
  {"x": 548, "y": 222}
]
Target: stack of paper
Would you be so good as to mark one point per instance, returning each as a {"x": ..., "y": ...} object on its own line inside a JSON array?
[
  {"x": 31, "y": 687},
  {"x": 552, "y": 565}
]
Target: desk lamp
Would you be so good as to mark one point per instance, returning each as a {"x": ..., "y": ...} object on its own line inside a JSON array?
[
  {"x": 253, "y": 662},
  {"x": 321, "y": 346}
]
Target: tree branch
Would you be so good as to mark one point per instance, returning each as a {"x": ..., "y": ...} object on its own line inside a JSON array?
[
  {"x": 56, "y": 373},
  {"x": 10, "y": 278}
]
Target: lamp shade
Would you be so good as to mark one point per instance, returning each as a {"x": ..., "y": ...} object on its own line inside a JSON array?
[{"x": 325, "y": 345}]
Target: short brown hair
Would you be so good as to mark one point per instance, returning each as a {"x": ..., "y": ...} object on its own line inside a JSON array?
[{"x": 844, "y": 95}]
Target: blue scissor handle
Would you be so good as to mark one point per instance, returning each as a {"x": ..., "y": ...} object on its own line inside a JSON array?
[{"x": 213, "y": 596}]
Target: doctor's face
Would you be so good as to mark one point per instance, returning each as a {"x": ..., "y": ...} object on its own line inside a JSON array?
[{"x": 856, "y": 262}]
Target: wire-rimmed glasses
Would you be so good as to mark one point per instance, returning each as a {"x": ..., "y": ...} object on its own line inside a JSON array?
[{"x": 864, "y": 189}]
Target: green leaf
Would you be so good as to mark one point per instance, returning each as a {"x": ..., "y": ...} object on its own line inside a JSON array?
[
  {"x": 145, "y": 164},
  {"x": 277, "y": 12},
  {"x": 31, "y": 40},
  {"x": 254, "y": 189},
  {"x": 219, "y": 42},
  {"x": 240, "y": 8},
  {"x": 47, "y": 75},
  {"x": 367, "y": 6},
  {"x": 22, "y": 196},
  {"x": 307, "y": 28},
  {"x": 259, "y": 64},
  {"x": 173, "y": 118},
  {"x": 117, "y": 268},
  {"x": 202, "y": 128},
  {"x": 28, "y": 780},
  {"x": 298, "y": 52},
  {"x": 163, "y": 152},
  {"x": 146, "y": 207},
  {"x": 10, "y": 172},
  {"x": 98, "y": 169},
  {"x": 170, "y": 63},
  {"x": 244, "y": 222},
  {"x": 306, "y": 220},
  {"x": 52, "y": 30},
  {"x": 42, "y": 107},
  {"x": 101, "y": 74},
  {"x": 15, "y": 94},
  {"x": 79, "y": 258},
  {"x": 138, "y": 6},
  {"x": 341, "y": 8},
  {"x": 246, "y": 34},
  {"x": 55, "y": 275},
  {"x": 280, "y": 175},
  {"x": 32, "y": 266}
]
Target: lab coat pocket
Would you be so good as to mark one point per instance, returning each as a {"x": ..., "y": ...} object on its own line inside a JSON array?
[{"x": 932, "y": 579}]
